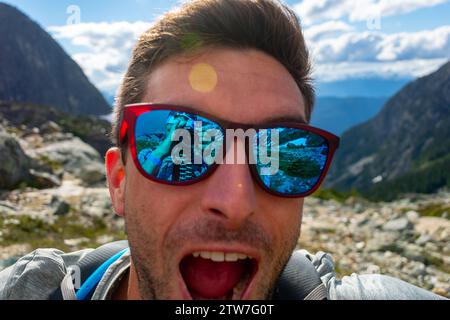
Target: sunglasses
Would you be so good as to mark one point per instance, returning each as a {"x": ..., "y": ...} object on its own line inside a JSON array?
[{"x": 286, "y": 159}]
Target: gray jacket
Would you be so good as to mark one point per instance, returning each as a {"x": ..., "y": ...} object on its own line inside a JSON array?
[{"x": 37, "y": 275}]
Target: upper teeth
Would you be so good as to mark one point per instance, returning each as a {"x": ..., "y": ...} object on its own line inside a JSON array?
[{"x": 220, "y": 256}]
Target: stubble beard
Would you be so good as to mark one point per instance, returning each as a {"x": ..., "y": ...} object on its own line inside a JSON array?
[{"x": 155, "y": 282}]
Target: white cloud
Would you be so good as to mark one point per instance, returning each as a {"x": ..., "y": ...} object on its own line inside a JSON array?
[
  {"x": 376, "y": 46},
  {"x": 362, "y": 54},
  {"x": 339, "y": 51},
  {"x": 429, "y": 44},
  {"x": 105, "y": 48},
  {"x": 329, "y": 72},
  {"x": 313, "y": 11},
  {"x": 326, "y": 29}
]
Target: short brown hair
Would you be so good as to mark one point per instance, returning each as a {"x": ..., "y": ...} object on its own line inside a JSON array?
[{"x": 266, "y": 25}]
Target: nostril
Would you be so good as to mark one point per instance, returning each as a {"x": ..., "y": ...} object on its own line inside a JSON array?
[{"x": 216, "y": 212}]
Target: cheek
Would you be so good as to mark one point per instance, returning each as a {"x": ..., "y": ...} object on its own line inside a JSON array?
[
  {"x": 284, "y": 217},
  {"x": 155, "y": 207}
]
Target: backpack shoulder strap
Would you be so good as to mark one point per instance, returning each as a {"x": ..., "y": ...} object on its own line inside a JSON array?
[
  {"x": 300, "y": 280},
  {"x": 92, "y": 261}
]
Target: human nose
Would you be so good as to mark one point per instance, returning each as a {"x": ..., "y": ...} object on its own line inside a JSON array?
[{"x": 230, "y": 193}]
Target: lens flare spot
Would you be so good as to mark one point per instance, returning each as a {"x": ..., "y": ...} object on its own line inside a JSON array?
[{"x": 203, "y": 78}]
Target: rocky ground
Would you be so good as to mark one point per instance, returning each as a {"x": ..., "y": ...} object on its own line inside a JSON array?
[
  {"x": 408, "y": 238},
  {"x": 57, "y": 198},
  {"x": 54, "y": 192}
]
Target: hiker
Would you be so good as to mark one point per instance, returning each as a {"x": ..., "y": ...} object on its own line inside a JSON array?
[{"x": 224, "y": 231}]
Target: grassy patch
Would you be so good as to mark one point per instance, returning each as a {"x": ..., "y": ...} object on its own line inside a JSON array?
[
  {"x": 430, "y": 210},
  {"x": 55, "y": 165},
  {"x": 438, "y": 262},
  {"x": 330, "y": 194},
  {"x": 434, "y": 210},
  {"x": 341, "y": 271},
  {"x": 393, "y": 247},
  {"x": 306, "y": 168},
  {"x": 41, "y": 234}
]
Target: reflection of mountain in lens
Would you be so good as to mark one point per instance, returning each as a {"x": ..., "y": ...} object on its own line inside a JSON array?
[{"x": 150, "y": 141}]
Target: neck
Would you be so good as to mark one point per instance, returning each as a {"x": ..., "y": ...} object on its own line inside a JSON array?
[{"x": 128, "y": 288}]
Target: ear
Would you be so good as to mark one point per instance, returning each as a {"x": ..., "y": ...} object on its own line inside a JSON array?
[{"x": 115, "y": 174}]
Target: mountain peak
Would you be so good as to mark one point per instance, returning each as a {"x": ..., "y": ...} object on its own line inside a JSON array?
[
  {"x": 5, "y": 6},
  {"x": 34, "y": 68}
]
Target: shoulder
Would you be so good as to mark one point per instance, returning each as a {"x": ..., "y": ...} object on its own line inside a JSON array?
[
  {"x": 366, "y": 286},
  {"x": 36, "y": 275},
  {"x": 376, "y": 287}
]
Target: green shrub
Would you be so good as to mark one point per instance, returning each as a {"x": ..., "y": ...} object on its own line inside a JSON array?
[
  {"x": 331, "y": 194},
  {"x": 306, "y": 168}
]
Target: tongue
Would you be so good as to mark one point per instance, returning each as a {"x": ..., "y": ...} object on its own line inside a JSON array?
[{"x": 210, "y": 279}]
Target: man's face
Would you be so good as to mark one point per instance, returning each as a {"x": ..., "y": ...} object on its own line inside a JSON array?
[{"x": 225, "y": 214}]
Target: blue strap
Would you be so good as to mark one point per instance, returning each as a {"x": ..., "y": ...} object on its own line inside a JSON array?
[{"x": 95, "y": 278}]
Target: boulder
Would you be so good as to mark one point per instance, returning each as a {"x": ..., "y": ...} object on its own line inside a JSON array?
[
  {"x": 412, "y": 216},
  {"x": 14, "y": 164},
  {"x": 398, "y": 225},
  {"x": 383, "y": 241},
  {"x": 44, "y": 179},
  {"x": 77, "y": 158},
  {"x": 7, "y": 208},
  {"x": 59, "y": 206},
  {"x": 92, "y": 173},
  {"x": 437, "y": 228},
  {"x": 423, "y": 239},
  {"x": 50, "y": 127}
]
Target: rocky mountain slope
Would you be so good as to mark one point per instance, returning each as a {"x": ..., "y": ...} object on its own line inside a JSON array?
[
  {"x": 405, "y": 148},
  {"x": 34, "y": 68}
]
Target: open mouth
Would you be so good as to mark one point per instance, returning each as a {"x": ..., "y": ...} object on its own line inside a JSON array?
[{"x": 218, "y": 275}]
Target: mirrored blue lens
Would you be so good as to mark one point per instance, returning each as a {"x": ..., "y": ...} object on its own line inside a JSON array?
[
  {"x": 290, "y": 161},
  {"x": 175, "y": 146}
]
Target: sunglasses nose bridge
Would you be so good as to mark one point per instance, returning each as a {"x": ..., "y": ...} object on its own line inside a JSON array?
[{"x": 237, "y": 147}]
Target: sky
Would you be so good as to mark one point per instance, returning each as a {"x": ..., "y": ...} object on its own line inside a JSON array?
[{"x": 383, "y": 40}]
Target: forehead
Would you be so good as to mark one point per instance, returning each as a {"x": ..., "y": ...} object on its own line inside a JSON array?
[{"x": 245, "y": 86}]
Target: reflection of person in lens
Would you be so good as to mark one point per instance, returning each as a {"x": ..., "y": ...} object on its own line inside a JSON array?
[{"x": 159, "y": 158}]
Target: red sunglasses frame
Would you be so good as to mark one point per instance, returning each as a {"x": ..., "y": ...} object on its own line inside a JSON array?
[{"x": 133, "y": 111}]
